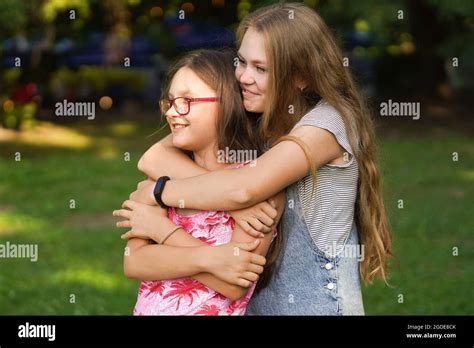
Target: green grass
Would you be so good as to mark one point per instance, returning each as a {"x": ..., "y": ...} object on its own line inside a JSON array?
[
  {"x": 436, "y": 217},
  {"x": 80, "y": 250}
]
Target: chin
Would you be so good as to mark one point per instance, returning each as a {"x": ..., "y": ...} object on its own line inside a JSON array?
[
  {"x": 253, "y": 107},
  {"x": 181, "y": 143}
]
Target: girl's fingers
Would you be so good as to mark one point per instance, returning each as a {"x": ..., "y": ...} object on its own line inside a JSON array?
[
  {"x": 265, "y": 219},
  {"x": 249, "y": 229},
  {"x": 255, "y": 268},
  {"x": 127, "y": 235},
  {"x": 249, "y": 246},
  {"x": 243, "y": 283},
  {"x": 256, "y": 224},
  {"x": 124, "y": 223},
  {"x": 129, "y": 204},
  {"x": 250, "y": 276},
  {"x": 258, "y": 259},
  {"x": 270, "y": 211},
  {"x": 123, "y": 213}
]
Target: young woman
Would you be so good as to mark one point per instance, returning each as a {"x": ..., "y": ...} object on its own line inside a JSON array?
[
  {"x": 312, "y": 118},
  {"x": 203, "y": 106}
]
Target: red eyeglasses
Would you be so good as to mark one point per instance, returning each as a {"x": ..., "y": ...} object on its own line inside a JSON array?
[{"x": 182, "y": 105}]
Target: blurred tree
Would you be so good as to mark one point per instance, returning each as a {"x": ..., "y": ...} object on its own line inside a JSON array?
[
  {"x": 13, "y": 14},
  {"x": 412, "y": 41}
]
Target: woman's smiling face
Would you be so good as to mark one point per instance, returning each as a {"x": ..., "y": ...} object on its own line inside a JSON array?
[
  {"x": 199, "y": 131},
  {"x": 252, "y": 71}
]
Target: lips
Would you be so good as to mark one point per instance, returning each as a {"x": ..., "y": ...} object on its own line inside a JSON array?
[
  {"x": 248, "y": 95},
  {"x": 179, "y": 126},
  {"x": 245, "y": 90}
]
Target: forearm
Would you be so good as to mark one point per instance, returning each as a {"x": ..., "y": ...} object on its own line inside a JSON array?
[
  {"x": 279, "y": 167},
  {"x": 233, "y": 189},
  {"x": 183, "y": 239},
  {"x": 163, "y": 158},
  {"x": 158, "y": 262},
  {"x": 218, "y": 190}
]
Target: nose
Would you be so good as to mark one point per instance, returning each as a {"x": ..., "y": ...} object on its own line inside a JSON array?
[
  {"x": 171, "y": 113},
  {"x": 246, "y": 76}
]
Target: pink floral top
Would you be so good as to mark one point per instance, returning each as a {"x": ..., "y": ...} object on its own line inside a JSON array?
[{"x": 187, "y": 296}]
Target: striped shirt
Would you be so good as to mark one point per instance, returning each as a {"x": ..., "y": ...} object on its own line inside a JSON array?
[{"x": 329, "y": 212}]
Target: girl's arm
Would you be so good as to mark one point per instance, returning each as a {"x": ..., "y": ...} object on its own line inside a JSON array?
[
  {"x": 141, "y": 263},
  {"x": 139, "y": 266},
  {"x": 282, "y": 165},
  {"x": 163, "y": 158},
  {"x": 232, "y": 262},
  {"x": 141, "y": 259}
]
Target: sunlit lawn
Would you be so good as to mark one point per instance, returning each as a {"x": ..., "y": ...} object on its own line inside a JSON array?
[{"x": 80, "y": 250}]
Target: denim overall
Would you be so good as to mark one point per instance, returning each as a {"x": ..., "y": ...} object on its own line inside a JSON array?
[{"x": 305, "y": 281}]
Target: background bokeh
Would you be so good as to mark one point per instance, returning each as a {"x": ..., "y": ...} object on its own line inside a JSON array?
[{"x": 61, "y": 177}]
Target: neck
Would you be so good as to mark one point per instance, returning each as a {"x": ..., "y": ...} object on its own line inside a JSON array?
[{"x": 207, "y": 158}]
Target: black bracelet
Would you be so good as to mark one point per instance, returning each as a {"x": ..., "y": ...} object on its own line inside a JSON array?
[{"x": 158, "y": 191}]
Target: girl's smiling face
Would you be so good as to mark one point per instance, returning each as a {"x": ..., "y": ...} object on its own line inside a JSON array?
[
  {"x": 200, "y": 124},
  {"x": 251, "y": 72}
]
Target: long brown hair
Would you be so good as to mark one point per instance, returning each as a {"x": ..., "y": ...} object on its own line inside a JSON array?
[{"x": 300, "y": 47}]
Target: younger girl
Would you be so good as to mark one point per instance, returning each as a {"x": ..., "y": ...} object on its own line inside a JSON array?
[{"x": 204, "y": 110}]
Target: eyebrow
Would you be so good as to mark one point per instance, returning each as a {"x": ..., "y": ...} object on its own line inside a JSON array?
[
  {"x": 252, "y": 61},
  {"x": 186, "y": 91}
]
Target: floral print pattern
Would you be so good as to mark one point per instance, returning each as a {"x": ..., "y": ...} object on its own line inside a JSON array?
[{"x": 187, "y": 296}]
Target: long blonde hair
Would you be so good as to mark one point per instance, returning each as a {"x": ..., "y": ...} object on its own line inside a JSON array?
[{"x": 301, "y": 47}]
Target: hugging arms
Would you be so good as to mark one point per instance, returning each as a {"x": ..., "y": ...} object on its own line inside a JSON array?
[
  {"x": 224, "y": 268},
  {"x": 217, "y": 267}
]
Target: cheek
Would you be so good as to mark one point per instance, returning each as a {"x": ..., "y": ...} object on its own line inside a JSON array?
[
  {"x": 203, "y": 127},
  {"x": 262, "y": 83},
  {"x": 259, "y": 105}
]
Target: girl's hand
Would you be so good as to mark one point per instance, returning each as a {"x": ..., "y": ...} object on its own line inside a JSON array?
[
  {"x": 256, "y": 219},
  {"x": 143, "y": 220},
  {"x": 144, "y": 192},
  {"x": 234, "y": 263}
]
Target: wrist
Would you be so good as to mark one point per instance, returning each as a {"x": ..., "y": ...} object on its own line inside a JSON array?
[
  {"x": 158, "y": 190},
  {"x": 164, "y": 226},
  {"x": 203, "y": 259},
  {"x": 157, "y": 236},
  {"x": 165, "y": 193}
]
